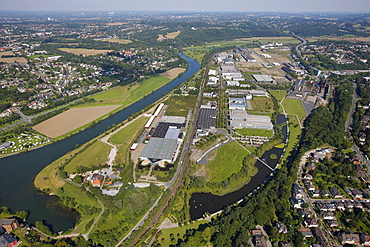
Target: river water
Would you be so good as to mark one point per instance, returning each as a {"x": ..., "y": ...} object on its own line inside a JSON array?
[
  {"x": 18, "y": 172},
  {"x": 201, "y": 203}
]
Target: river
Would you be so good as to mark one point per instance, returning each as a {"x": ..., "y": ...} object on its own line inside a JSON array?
[
  {"x": 18, "y": 171},
  {"x": 201, "y": 203}
]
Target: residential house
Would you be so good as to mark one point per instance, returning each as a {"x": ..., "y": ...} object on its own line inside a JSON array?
[
  {"x": 282, "y": 228},
  {"x": 335, "y": 192},
  {"x": 349, "y": 238},
  {"x": 311, "y": 222},
  {"x": 325, "y": 193},
  {"x": 332, "y": 223},
  {"x": 306, "y": 232},
  {"x": 8, "y": 240},
  {"x": 365, "y": 239},
  {"x": 9, "y": 224},
  {"x": 319, "y": 235},
  {"x": 328, "y": 215}
]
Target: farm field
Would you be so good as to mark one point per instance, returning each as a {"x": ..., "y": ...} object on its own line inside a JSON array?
[
  {"x": 172, "y": 73},
  {"x": 180, "y": 105},
  {"x": 120, "y": 41},
  {"x": 94, "y": 155},
  {"x": 11, "y": 59},
  {"x": 84, "y": 52},
  {"x": 343, "y": 38},
  {"x": 228, "y": 159},
  {"x": 172, "y": 35},
  {"x": 71, "y": 120}
]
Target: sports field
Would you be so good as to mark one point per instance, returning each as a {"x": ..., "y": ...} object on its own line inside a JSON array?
[
  {"x": 71, "y": 120},
  {"x": 84, "y": 52}
]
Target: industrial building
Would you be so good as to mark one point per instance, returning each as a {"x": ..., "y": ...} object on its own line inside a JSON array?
[
  {"x": 237, "y": 104},
  {"x": 241, "y": 119},
  {"x": 160, "y": 149},
  {"x": 206, "y": 120},
  {"x": 263, "y": 78}
]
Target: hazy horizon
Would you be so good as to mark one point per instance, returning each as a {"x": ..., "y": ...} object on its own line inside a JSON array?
[{"x": 191, "y": 5}]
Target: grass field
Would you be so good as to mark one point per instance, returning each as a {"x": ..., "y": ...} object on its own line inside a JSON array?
[
  {"x": 262, "y": 104},
  {"x": 48, "y": 179},
  {"x": 196, "y": 54},
  {"x": 94, "y": 155},
  {"x": 255, "y": 132},
  {"x": 125, "y": 137},
  {"x": 128, "y": 94},
  {"x": 84, "y": 52},
  {"x": 294, "y": 132},
  {"x": 172, "y": 35},
  {"x": 180, "y": 105},
  {"x": 120, "y": 41},
  {"x": 165, "y": 239},
  {"x": 228, "y": 160},
  {"x": 278, "y": 94},
  {"x": 294, "y": 107}
]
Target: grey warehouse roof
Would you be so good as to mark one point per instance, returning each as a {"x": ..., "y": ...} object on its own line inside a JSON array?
[{"x": 160, "y": 148}]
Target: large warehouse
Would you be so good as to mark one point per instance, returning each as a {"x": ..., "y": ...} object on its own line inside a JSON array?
[
  {"x": 160, "y": 149},
  {"x": 241, "y": 119}
]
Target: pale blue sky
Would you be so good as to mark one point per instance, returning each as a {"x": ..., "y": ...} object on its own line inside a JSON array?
[{"x": 188, "y": 5}]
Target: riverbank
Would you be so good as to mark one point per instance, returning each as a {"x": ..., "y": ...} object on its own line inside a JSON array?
[{"x": 139, "y": 95}]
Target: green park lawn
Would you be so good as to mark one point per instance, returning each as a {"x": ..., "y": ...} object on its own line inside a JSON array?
[
  {"x": 293, "y": 106},
  {"x": 94, "y": 155},
  {"x": 228, "y": 160},
  {"x": 180, "y": 105},
  {"x": 278, "y": 94},
  {"x": 255, "y": 132}
]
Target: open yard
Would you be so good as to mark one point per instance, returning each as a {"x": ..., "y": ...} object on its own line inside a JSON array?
[
  {"x": 11, "y": 59},
  {"x": 72, "y": 119},
  {"x": 180, "y": 105},
  {"x": 94, "y": 155},
  {"x": 84, "y": 52},
  {"x": 294, "y": 107},
  {"x": 172, "y": 73},
  {"x": 228, "y": 160}
]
